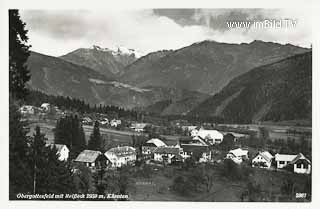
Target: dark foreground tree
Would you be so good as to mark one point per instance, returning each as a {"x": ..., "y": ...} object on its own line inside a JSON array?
[
  {"x": 95, "y": 142},
  {"x": 69, "y": 131},
  {"x": 50, "y": 175},
  {"x": 20, "y": 179},
  {"x": 18, "y": 55}
]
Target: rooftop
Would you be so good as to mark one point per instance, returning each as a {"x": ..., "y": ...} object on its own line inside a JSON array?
[
  {"x": 88, "y": 156},
  {"x": 122, "y": 151}
]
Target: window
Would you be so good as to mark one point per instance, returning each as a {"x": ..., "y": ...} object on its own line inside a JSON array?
[
  {"x": 281, "y": 162},
  {"x": 299, "y": 165}
]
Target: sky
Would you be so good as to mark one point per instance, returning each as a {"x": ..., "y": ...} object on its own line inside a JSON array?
[{"x": 57, "y": 32}]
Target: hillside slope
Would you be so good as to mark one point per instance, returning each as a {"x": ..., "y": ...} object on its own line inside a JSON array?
[
  {"x": 55, "y": 76},
  {"x": 207, "y": 66},
  {"x": 274, "y": 92}
]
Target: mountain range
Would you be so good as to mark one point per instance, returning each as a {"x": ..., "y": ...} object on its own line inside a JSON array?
[
  {"x": 186, "y": 81},
  {"x": 207, "y": 66},
  {"x": 55, "y": 76},
  {"x": 280, "y": 91}
]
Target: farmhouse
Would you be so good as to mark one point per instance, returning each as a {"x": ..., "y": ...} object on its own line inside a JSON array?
[
  {"x": 92, "y": 159},
  {"x": 138, "y": 127},
  {"x": 115, "y": 123},
  {"x": 263, "y": 159},
  {"x": 301, "y": 164},
  {"x": 283, "y": 160},
  {"x": 168, "y": 154},
  {"x": 45, "y": 107},
  {"x": 201, "y": 152},
  {"x": 62, "y": 151},
  {"x": 149, "y": 147},
  {"x": 119, "y": 156},
  {"x": 210, "y": 136},
  {"x": 237, "y": 155},
  {"x": 27, "y": 109}
]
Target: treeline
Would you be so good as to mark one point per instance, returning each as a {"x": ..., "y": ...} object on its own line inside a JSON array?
[{"x": 36, "y": 98}]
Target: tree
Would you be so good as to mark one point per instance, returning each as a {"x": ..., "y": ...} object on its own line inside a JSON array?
[
  {"x": 20, "y": 177},
  {"x": 83, "y": 179},
  {"x": 69, "y": 131},
  {"x": 228, "y": 142},
  {"x": 18, "y": 55},
  {"x": 95, "y": 142},
  {"x": 50, "y": 175}
]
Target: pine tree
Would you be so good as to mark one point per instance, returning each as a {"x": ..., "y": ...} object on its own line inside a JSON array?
[
  {"x": 95, "y": 142},
  {"x": 50, "y": 175},
  {"x": 20, "y": 179},
  {"x": 69, "y": 131},
  {"x": 39, "y": 162},
  {"x": 18, "y": 55}
]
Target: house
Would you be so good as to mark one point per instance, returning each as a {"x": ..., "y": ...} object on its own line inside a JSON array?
[
  {"x": 210, "y": 136},
  {"x": 104, "y": 121},
  {"x": 27, "y": 109},
  {"x": 87, "y": 121},
  {"x": 138, "y": 127},
  {"x": 45, "y": 107},
  {"x": 237, "y": 155},
  {"x": 283, "y": 160},
  {"x": 115, "y": 123},
  {"x": 92, "y": 159},
  {"x": 119, "y": 156},
  {"x": 301, "y": 164},
  {"x": 263, "y": 159},
  {"x": 149, "y": 147},
  {"x": 62, "y": 151},
  {"x": 201, "y": 152},
  {"x": 168, "y": 154}
]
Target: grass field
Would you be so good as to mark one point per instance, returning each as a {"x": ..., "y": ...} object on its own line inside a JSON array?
[{"x": 157, "y": 188}]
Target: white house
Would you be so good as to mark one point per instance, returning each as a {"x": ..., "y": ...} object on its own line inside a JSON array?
[
  {"x": 27, "y": 109},
  {"x": 301, "y": 164},
  {"x": 91, "y": 158},
  {"x": 263, "y": 159},
  {"x": 115, "y": 123},
  {"x": 201, "y": 152},
  {"x": 168, "y": 154},
  {"x": 62, "y": 151},
  {"x": 210, "y": 136},
  {"x": 237, "y": 155},
  {"x": 119, "y": 156},
  {"x": 283, "y": 160},
  {"x": 138, "y": 127},
  {"x": 149, "y": 147},
  {"x": 45, "y": 107}
]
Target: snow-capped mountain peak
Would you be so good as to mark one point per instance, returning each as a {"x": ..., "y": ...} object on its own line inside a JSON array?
[{"x": 119, "y": 50}]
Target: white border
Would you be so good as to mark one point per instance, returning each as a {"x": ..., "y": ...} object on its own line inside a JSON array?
[{"x": 312, "y": 6}]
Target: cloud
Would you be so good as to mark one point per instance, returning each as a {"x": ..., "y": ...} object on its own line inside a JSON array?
[{"x": 57, "y": 32}]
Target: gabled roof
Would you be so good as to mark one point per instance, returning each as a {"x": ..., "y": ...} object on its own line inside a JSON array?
[
  {"x": 139, "y": 125},
  {"x": 88, "y": 156},
  {"x": 238, "y": 152},
  {"x": 156, "y": 142},
  {"x": 213, "y": 134},
  {"x": 58, "y": 146},
  {"x": 300, "y": 156},
  {"x": 122, "y": 151},
  {"x": 167, "y": 150},
  {"x": 283, "y": 157},
  {"x": 266, "y": 155}
]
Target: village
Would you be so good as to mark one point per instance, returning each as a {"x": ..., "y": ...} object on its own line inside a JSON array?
[{"x": 196, "y": 144}]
